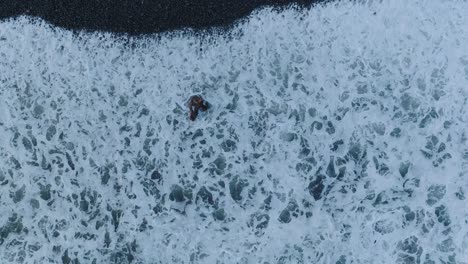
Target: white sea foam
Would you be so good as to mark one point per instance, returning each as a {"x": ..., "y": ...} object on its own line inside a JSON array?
[{"x": 89, "y": 122}]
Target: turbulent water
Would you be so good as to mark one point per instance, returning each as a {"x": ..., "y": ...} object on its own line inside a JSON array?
[{"x": 335, "y": 135}]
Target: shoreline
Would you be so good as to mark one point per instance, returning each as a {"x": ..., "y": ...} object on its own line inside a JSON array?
[{"x": 136, "y": 17}]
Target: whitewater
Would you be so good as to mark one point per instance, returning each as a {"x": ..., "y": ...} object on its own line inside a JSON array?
[{"x": 336, "y": 134}]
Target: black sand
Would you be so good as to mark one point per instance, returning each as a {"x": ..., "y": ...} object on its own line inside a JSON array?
[{"x": 139, "y": 16}]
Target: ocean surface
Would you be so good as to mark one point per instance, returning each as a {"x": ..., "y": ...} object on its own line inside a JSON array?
[{"x": 336, "y": 134}]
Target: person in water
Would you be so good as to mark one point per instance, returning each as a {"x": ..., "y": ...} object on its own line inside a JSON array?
[{"x": 196, "y": 103}]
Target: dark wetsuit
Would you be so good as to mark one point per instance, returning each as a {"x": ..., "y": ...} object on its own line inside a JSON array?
[{"x": 196, "y": 103}]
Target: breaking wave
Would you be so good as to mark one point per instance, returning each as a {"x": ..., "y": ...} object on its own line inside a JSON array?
[{"x": 336, "y": 135}]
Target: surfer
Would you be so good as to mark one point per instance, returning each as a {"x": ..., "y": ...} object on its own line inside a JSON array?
[{"x": 194, "y": 104}]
